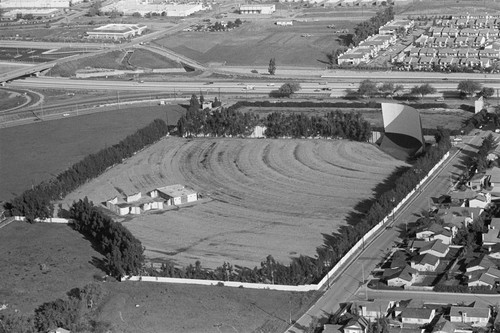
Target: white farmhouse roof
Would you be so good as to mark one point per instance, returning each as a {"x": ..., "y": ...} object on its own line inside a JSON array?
[{"x": 176, "y": 190}]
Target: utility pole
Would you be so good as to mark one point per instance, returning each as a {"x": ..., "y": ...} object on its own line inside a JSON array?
[{"x": 118, "y": 98}]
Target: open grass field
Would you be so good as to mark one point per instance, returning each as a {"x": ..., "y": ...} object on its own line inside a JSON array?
[
  {"x": 431, "y": 118},
  {"x": 256, "y": 41},
  {"x": 36, "y": 152},
  {"x": 10, "y": 99},
  {"x": 118, "y": 59},
  {"x": 42, "y": 262},
  {"x": 173, "y": 308},
  {"x": 262, "y": 196},
  {"x": 448, "y": 7}
]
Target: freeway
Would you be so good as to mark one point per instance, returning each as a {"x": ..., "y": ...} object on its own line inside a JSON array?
[
  {"x": 244, "y": 86},
  {"x": 347, "y": 286}
]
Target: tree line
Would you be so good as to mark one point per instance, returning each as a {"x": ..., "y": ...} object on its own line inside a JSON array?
[
  {"x": 231, "y": 122},
  {"x": 367, "y": 28},
  {"x": 350, "y": 126},
  {"x": 124, "y": 252},
  {"x": 37, "y": 201}
]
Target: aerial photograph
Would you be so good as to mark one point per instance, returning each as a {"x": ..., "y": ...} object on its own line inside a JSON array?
[{"x": 257, "y": 166}]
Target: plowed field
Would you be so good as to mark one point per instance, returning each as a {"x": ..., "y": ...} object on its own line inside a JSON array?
[{"x": 261, "y": 196}]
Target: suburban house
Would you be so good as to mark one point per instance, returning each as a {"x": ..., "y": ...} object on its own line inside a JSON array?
[
  {"x": 494, "y": 251},
  {"x": 425, "y": 262},
  {"x": 436, "y": 231},
  {"x": 376, "y": 309},
  {"x": 437, "y": 248},
  {"x": 476, "y": 316},
  {"x": 481, "y": 263},
  {"x": 356, "y": 325},
  {"x": 491, "y": 237},
  {"x": 480, "y": 179},
  {"x": 411, "y": 316},
  {"x": 401, "y": 278},
  {"x": 489, "y": 278},
  {"x": 443, "y": 326},
  {"x": 459, "y": 216}
]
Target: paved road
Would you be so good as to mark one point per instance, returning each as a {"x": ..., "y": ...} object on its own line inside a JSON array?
[{"x": 346, "y": 286}]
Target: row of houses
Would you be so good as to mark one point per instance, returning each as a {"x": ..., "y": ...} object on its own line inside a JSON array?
[
  {"x": 493, "y": 52},
  {"x": 430, "y": 63},
  {"x": 470, "y": 21},
  {"x": 408, "y": 316},
  {"x": 157, "y": 199},
  {"x": 460, "y": 41},
  {"x": 465, "y": 32},
  {"x": 366, "y": 50}
]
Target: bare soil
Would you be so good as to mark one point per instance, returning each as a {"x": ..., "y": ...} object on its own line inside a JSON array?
[{"x": 261, "y": 196}]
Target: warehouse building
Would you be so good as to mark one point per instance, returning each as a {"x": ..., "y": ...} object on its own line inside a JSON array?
[
  {"x": 257, "y": 9},
  {"x": 18, "y": 4},
  {"x": 117, "y": 31},
  {"x": 129, "y": 7}
]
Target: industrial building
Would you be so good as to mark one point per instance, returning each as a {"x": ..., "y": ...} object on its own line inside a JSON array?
[
  {"x": 257, "y": 9},
  {"x": 129, "y": 7},
  {"x": 117, "y": 31},
  {"x": 32, "y": 4}
]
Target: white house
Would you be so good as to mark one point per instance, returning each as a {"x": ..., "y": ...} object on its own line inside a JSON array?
[
  {"x": 410, "y": 316},
  {"x": 426, "y": 262},
  {"x": 376, "y": 309},
  {"x": 476, "y": 316},
  {"x": 175, "y": 194},
  {"x": 405, "y": 277},
  {"x": 436, "y": 248}
]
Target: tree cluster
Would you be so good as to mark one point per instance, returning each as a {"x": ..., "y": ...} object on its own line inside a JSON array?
[
  {"x": 230, "y": 122},
  {"x": 75, "y": 313},
  {"x": 124, "y": 253},
  {"x": 286, "y": 90},
  {"x": 36, "y": 202},
  {"x": 370, "y": 27},
  {"x": 334, "y": 124},
  {"x": 221, "y": 123}
]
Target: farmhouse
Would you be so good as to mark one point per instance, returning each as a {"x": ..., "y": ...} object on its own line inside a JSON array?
[
  {"x": 117, "y": 31},
  {"x": 175, "y": 194},
  {"x": 257, "y": 9}
]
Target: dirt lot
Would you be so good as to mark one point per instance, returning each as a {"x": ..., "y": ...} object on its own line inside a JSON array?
[
  {"x": 32, "y": 157},
  {"x": 157, "y": 307},
  {"x": 258, "y": 40},
  {"x": 261, "y": 196},
  {"x": 42, "y": 262}
]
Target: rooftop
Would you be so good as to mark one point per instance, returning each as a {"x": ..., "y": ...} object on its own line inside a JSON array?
[
  {"x": 417, "y": 313},
  {"x": 176, "y": 190},
  {"x": 458, "y": 311}
]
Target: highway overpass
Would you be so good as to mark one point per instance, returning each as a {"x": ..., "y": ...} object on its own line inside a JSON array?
[{"x": 25, "y": 71}]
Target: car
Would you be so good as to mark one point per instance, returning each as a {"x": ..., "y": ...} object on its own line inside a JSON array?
[
  {"x": 445, "y": 79},
  {"x": 65, "y": 114},
  {"x": 389, "y": 227},
  {"x": 141, "y": 81},
  {"x": 440, "y": 99},
  {"x": 316, "y": 90},
  {"x": 270, "y": 84},
  {"x": 211, "y": 82},
  {"x": 241, "y": 84}
]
